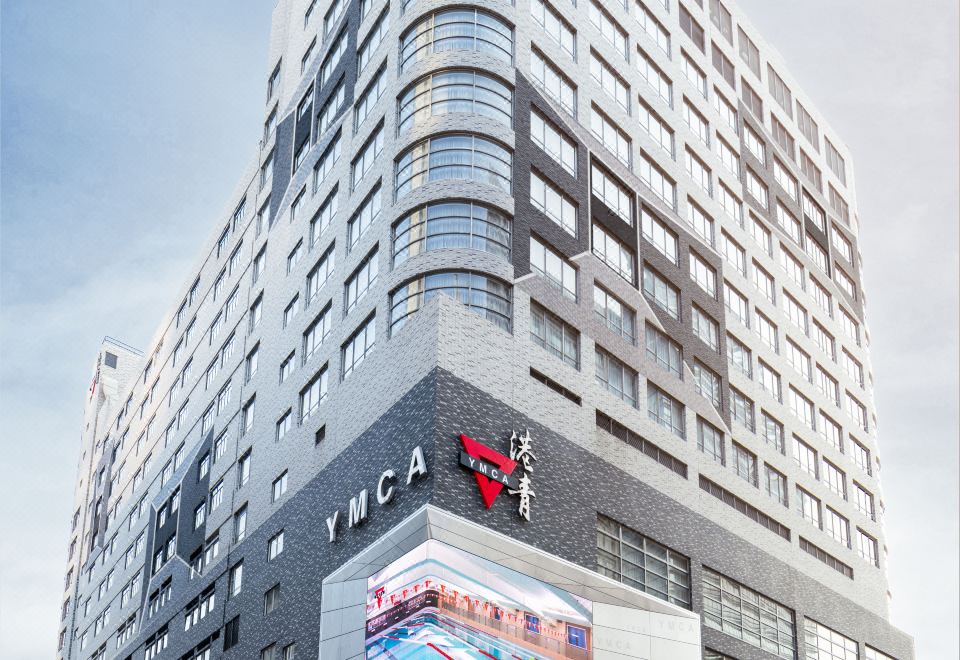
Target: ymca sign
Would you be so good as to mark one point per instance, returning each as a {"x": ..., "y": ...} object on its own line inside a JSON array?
[
  {"x": 493, "y": 470},
  {"x": 357, "y": 509}
]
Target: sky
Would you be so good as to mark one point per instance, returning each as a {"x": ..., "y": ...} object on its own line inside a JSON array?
[{"x": 124, "y": 128}]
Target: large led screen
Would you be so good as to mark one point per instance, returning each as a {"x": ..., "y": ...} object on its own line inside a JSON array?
[{"x": 439, "y": 602}]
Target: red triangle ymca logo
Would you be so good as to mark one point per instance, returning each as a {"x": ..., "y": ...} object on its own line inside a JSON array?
[{"x": 491, "y": 469}]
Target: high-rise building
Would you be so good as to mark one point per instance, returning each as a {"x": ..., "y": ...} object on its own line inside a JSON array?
[{"x": 536, "y": 330}]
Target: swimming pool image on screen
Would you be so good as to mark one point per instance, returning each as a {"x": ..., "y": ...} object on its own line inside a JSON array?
[{"x": 440, "y": 602}]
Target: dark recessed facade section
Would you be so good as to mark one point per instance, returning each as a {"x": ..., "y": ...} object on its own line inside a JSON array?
[
  {"x": 528, "y": 157},
  {"x": 194, "y": 490},
  {"x": 282, "y": 163}
]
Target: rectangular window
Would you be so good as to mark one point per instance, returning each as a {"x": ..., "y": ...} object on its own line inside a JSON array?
[
  {"x": 841, "y": 244},
  {"x": 291, "y": 311},
  {"x": 659, "y": 183},
  {"x": 802, "y": 408},
  {"x": 838, "y": 527},
  {"x": 703, "y": 274},
  {"x": 359, "y": 346},
  {"x": 554, "y": 335},
  {"x": 610, "y": 82},
  {"x": 284, "y": 424},
  {"x": 660, "y": 291},
  {"x": 313, "y": 394},
  {"x": 736, "y": 304},
  {"x": 742, "y": 409},
  {"x": 745, "y": 464},
  {"x": 655, "y": 78},
  {"x": 729, "y": 157},
  {"x": 372, "y": 41},
  {"x": 315, "y": 334},
  {"x": 614, "y": 253},
  {"x": 835, "y": 162},
  {"x": 808, "y": 127},
  {"x": 811, "y": 171},
  {"x": 365, "y": 216},
  {"x": 867, "y": 547},
  {"x": 610, "y": 135},
  {"x": 664, "y": 351},
  {"x": 749, "y": 52},
  {"x": 751, "y": 99},
  {"x": 693, "y": 29},
  {"x": 782, "y": 137},
  {"x": 705, "y": 328},
  {"x": 769, "y": 380},
  {"x": 665, "y": 411},
  {"x": 627, "y": 556},
  {"x": 612, "y": 193},
  {"x": 616, "y": 377},
  {"x": 731, "y": 204},
  {"x": 555, "y": 84},
  {"x": 319, "y": 274},
  {"x": 809, "y": 507},
  {"x": 555, "y": 27},
  {"x": 786, "y": 180},
  {"x": 240, "y": 524},
  {"x": 609, "y": 28},
  {"x": 553, "y": 203},
  {"x": 700, "y": 221},
  {"x": 776, "y": 483},
  {"x": 557, "y": 270},
  {"x": 656, "y": 233},
  {"x": 739, "y": 356},
  {"x": 831, "y": 432},
  {"x": 726, "y": 110},
  {"x": 360, "y": 282},
  {"x": 740, "y": 612},
  {"x": 861, "y": 456},
  {"x": 828, "y": 386},
  {"x": 757, "y": 189},
  {"x": 835, "y": 478},
  {"x": 652, "y": 26},
  {"x": 864, "y": 501},
  {"x": 826, "y": 644},
  {"x": 720, "y": 16},
  {"x": 614, "y": 313},
  {"x": 707, "y": 383},
  {"x": 795, "y": 312},
  {"x": 333, "y": 57},
  {"x": 331, "y": 109},
  {"x": 557, "y": 145},
  {"x": 723, "y": 65},
  {"x": 806, "y": 457},
  {"x": 368, "y": 156},
  {"x": 275, "y": 546},
  {"x": 734, "y": 253},
  {"x": 696, "y": 121},
  {"x": 327, "y": 160},
  {"x": 699, "y": 172},
  {"x": 654, "y": 126},
  {"x": 710, "y": 441},
  {"x": 768, "y": 331},
  {"x": 369, "y": 98}
]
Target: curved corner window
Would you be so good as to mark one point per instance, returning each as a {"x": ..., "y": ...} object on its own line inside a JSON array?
[
  {"x": 462, "y": 225},
  {"x": 455, "y": 91},
  {"x": 454, "y": 157},
  {"x": 457, "y": 29},
  {"x": 484, "y": 295}
]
